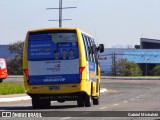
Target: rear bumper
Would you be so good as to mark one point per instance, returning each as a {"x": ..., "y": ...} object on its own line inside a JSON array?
[
  {"x": 3, "y": 76},
  {"x": 59, "y": 97}
]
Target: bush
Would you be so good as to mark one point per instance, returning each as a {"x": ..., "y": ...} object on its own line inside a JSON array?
[
  {"x": 156, "y": 70},
  {"x": 15, "y": 66},
  {"x": 126, "y": 68}
]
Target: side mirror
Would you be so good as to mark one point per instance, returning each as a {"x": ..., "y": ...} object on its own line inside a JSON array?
[{"x": 101, "y": 48}]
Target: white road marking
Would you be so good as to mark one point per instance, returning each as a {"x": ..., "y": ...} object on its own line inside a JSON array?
[
  {"x": 102, "y": 90},
  {"x": 125, "y": 101},
  {"x": 103, "y": 108},
  {"x": 65, "y": 118},
  {"x": 115, "y": 104},
  {"x": 137, "y": 97},
  {"x": 132, "y": 99}
]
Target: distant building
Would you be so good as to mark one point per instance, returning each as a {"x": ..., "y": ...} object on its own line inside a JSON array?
[
  {"x": 108, "y": 57},
  {"x": 146, "y": 43},
  {"x": 147, "y": 55},
  {"x": 146, "y": 58}
]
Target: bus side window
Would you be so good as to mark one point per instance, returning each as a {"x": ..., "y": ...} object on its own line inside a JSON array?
[
  {"x": 89, "y": 48},
  {"x": 86, "y": 47},
  {"x": 93, "y": 50},
  {"x": 91, "y": 41},
  {"x": 95, "y": 53}
]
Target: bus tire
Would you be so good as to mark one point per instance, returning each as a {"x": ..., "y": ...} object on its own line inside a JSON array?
[
  {"x": 95, "y": 101},
  {"x": 40, "y": 104},
  {"x": 87, "y": 101},
  {"x": 35, "y": 103},
  {"x": 45, "y": 104},
  {"x": 80, "y": 103},
  {"x": 1, "y": 80}
]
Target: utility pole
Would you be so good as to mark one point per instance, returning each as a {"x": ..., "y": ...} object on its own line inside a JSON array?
[
  {"x": 114, "y": 56},
  {"x": 60, "y": 13},
  {"x": 146, "y": 69},
  {"x": 114, "y": 64}
]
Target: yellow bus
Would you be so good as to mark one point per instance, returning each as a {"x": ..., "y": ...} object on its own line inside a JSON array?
[{"x": 61, "y": 64}]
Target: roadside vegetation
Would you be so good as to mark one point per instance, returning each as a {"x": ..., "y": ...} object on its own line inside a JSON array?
[
  {"x": 156, "y": 70},
  {"x": 14, "y": 64},
  {"x": 126, "y": 68},
  {"x": 11, "y": 88}
]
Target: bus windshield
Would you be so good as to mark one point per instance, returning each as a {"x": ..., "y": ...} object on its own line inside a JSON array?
[{"x": 55, "y": 45}]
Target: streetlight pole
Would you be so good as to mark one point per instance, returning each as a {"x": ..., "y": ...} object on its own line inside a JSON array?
[
  {"x": 146, "y": 66},
  {"x": 146, "y": 69},
  {"x": 60, "y": 13}
]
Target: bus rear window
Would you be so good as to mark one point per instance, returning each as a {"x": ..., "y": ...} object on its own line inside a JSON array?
[
  {"x": 2, "y": 65},
  {"x": 58, "y": 45}
]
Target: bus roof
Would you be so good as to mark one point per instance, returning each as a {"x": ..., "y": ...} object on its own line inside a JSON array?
[{"x": 48, "y": 29}]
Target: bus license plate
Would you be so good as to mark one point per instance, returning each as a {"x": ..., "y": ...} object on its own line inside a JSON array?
[{"x": 54, "y": 88}]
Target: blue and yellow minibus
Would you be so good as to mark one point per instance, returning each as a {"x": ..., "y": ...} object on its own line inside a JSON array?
[{"x": 61, "y": 64}]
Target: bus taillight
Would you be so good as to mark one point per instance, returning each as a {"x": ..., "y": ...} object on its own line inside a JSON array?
[
  {"x": 80, "y": 71},
  {"x": 26, "y": 73}
]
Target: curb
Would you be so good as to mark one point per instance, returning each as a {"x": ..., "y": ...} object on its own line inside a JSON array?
[
  {"x": 15, "y": 99},
  {"x": 12, "y": 99}
]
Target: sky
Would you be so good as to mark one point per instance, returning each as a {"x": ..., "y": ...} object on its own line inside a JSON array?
[{"x": 114, "y": 23}]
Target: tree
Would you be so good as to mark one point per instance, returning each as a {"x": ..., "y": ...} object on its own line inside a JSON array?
[
  {"x": 126, "y": 68},
  {"x": 15, "y": 64},
  {"x": 156, "y": 70},
  {"x": 17, "y": 48}
]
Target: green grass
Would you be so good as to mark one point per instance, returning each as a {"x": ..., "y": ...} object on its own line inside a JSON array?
[{"x": 11, "y": 88}]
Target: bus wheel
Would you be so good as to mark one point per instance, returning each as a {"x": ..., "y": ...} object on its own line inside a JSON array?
[
  {"x": 46, "y": 104},
  {"x": 1, "y": 80},
  {"x": 80, "y": 103},
  {"x": 95, "y": 101},
  {"x": 40, "y": 104},
  {"x": 35, "y": 103},
  {"x": 88, "y": 100}
]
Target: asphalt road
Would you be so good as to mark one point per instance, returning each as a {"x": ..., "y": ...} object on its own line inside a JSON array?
[{"x": 122, "y": 95}]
